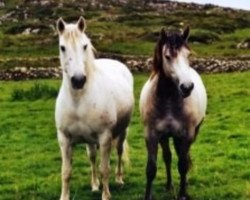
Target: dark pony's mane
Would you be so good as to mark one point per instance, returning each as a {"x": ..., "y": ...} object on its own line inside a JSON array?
[{"x": 173, "y": 41}]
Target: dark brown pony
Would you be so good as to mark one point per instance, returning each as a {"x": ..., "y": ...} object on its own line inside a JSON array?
[{"x": 172, "y": 104}]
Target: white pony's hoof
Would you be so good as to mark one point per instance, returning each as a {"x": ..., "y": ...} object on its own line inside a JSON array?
[
  {"x": 106, "y": 196},
  {"x": 119, "y": 180},
  {"x": 95, "y": 186},
  {"x": 64, "y": 198}
]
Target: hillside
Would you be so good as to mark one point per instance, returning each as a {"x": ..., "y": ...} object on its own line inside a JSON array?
[{"x": 27, "y": 28}]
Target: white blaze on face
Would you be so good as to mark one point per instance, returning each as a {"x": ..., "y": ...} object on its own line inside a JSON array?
[
  {"x": 176, "y": 67},
  {"x": 73, "y": 44},
  {"x": 181, "y": 66}
]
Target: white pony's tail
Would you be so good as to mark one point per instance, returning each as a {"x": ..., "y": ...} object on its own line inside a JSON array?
[{"x": 125, "y": 155}]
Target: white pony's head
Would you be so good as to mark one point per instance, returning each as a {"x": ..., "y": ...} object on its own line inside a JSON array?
[
  {"x": 75, "y": 52},
  {"x": 171, "y": 58}
]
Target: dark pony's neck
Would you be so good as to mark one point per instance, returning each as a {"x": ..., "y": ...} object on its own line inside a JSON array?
[
  {"x": 166, "y": 88},
  {"x": 168, "y": 100}
]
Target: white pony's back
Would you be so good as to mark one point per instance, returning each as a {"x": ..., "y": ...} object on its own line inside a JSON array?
[{"x": 113, "y": 68}]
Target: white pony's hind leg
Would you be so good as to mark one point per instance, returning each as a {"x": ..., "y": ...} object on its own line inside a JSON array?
[
  {"x": 91, "y": 150},
  {"x": 105, "y": 141},
  {"x": 66, "y": 153}
]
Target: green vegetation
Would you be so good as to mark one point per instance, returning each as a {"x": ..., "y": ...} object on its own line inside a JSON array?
[
  {"x": 37, "y": 91},
  {"x": 130, "y": 29},
  {"x": 30, "y": 160}
]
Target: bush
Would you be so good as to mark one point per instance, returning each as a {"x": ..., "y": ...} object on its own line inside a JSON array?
[
  {"x": 203, "y": 36},
  {"x": 37, "y": 91},
  {"x": 68, "y": 14},
  {"x": 18, "y": 28},
  {"x": 150, "y": 36}
]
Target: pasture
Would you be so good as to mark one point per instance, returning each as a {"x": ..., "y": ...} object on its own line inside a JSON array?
[{"x": 30, "y": 159}]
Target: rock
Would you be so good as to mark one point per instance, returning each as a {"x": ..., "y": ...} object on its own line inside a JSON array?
[
  {"x": 245, "y": 44},
  {"x": 37, "y": 30},
  {"x": 2, "y": 4},
  {"x": 27, "y": 31},
  {"x": 45, "y": 3},
  {"x": 23, "y": 69}
]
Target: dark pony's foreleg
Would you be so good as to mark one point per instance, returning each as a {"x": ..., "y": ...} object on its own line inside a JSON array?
[
  {"x": 167, "y": 157},
  {"x": 182, "y": 146},
  {"x": 152, "y": 148}
]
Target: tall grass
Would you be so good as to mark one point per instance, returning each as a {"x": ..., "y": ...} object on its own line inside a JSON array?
[{"x": 37, "y": 91}]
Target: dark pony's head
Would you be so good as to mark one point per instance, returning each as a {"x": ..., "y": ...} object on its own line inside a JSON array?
[{"x": 171, "y": 59}]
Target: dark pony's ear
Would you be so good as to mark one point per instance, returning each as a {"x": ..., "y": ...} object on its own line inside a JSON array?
[
  {"x": 162, "y": 33},
  {"x": 185, "y": 33},
  {"x": 81, "y": 24},
  {"x": 60, "y": 25}
]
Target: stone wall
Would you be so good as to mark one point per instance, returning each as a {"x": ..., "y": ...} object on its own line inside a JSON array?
[{"x": 135, "y": 64}]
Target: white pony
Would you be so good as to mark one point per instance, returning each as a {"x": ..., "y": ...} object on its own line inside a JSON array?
[
  {"x": 172, "y": 104},
  {"x": 94, "y": 105}
]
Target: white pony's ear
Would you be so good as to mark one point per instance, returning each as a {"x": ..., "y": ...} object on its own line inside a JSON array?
[
  {"x": 185, "y": 33},
  {"x": 60, "y": 25},
  {"x": 81, "y": 24}
]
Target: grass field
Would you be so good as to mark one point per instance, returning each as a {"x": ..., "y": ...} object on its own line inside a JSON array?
[{"x": 30, "y": 159}]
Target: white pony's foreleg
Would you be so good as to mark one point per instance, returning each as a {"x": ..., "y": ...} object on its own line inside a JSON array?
[
  {"x": 91, "y": 150},
  {"x": 105, "y": 141},
  {"x": 66, "y": 153}
]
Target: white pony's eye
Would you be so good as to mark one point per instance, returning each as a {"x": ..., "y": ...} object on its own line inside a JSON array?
[
  {"x": 85, "y": 47},
  {"x": 62, "y": 48}
]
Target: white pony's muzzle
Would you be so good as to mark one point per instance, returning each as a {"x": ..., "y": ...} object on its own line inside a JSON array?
[{"x": 78, "y": 81}]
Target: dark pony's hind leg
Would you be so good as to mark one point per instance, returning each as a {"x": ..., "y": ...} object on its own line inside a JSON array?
[
  {"x": 182, "y": 146},
  {"x": 167, "y": 157},
  {"x": 152, "y": 149}
]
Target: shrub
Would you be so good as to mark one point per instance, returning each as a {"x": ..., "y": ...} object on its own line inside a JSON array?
[
  {"x": 17, "y": 28},
  {"x": 37, "y": 91},
  {"x": 68, "y": 14},
  {"x": 203, "y": 36}
]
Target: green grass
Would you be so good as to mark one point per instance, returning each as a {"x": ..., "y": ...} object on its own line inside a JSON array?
[{"x": 30, "y": 159}]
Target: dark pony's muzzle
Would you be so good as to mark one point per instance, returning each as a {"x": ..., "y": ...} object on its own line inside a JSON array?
[
  {"x": 186, "y": 89},
  {"x": 78, "y": 82}
]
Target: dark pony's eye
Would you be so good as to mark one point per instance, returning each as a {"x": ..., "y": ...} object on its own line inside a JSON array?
[
  {"x": 85, "y": 47},
  {"x": 168, "y": 58},
  {"x": 62, "y": 48}
]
